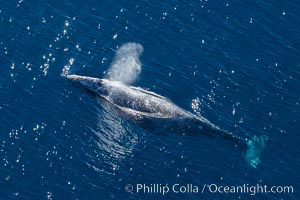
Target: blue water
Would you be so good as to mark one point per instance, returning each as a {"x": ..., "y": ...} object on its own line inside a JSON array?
[{"x": 239, "y": 61}]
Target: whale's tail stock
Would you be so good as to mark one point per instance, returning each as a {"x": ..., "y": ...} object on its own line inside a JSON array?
[{"x": 253, "y": 147}]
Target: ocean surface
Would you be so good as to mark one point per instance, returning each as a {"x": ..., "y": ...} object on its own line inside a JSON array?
[{"x": 237, "y": 63}]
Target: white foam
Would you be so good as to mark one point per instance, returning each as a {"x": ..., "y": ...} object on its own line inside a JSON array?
[{"x": 126, "y": 65}]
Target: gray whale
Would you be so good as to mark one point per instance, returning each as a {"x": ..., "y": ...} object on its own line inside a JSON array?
[{"x": 136, "y": 101}]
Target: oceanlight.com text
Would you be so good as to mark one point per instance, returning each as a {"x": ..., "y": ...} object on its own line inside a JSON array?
[{"x": 163, "y": 189}]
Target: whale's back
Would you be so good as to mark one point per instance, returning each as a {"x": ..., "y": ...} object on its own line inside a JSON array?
[{"x": 141, "y": 102}]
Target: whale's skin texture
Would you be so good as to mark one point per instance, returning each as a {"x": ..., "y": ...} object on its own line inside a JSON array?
[
  {"x": 149, "y": 106},
  {"x": 134, "y": 99},
  {"x": 138, "y": 102}
]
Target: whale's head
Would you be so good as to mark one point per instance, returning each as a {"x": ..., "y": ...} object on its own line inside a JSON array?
[{"x": 92, "y": 84}]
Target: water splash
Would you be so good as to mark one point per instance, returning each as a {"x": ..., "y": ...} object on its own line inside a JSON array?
[
  {"x": 66, "y": 69},
  {"x": 255, "y": 147},
  {"x": 126, "y": 65},
  {"x": 196, "y": 106}
]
